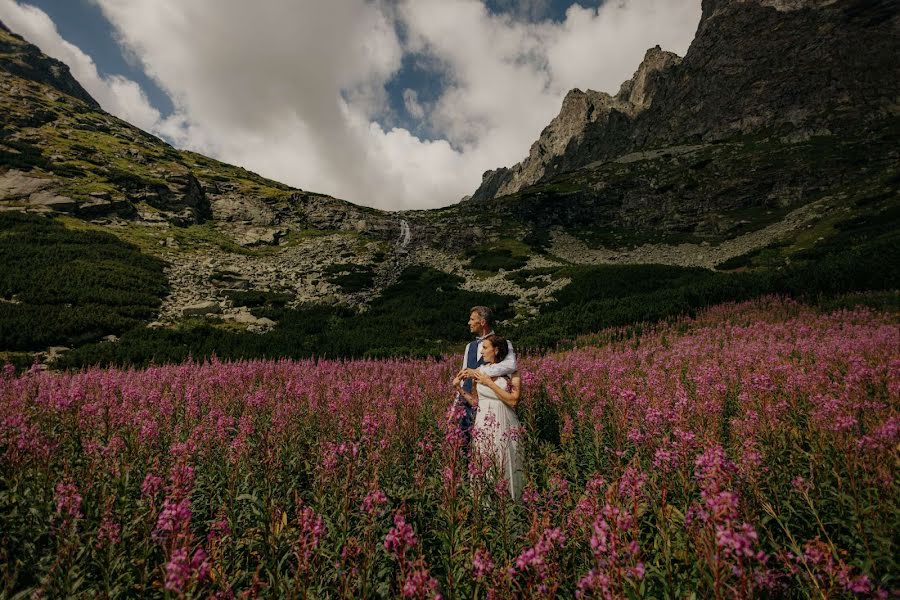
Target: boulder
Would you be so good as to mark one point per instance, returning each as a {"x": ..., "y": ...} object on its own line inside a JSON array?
[
  {"x": 203, "y": 308},
  {"x": 15, "y": 184},
  {"x": 53, "y": 201}
]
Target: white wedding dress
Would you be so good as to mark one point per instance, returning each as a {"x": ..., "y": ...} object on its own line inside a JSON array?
[{"x": 496, "y": 435}]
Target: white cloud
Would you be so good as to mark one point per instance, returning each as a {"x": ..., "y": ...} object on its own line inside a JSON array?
[
  {"x": 295, "y": 89},
  {"x": 117, "y": 95}
]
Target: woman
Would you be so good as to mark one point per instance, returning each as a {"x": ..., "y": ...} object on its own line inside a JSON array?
[{"x": 497, "y": 427}]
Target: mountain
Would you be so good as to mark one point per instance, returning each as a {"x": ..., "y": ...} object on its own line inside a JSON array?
[
  {"x": 764, "y": 161},
  {"x": 834, "y": 73}
]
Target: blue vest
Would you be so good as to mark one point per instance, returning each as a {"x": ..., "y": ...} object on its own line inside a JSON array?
[{"x": 473, "y": 361}]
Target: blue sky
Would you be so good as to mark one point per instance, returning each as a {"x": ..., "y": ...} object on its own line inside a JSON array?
[{"x": 395, "y": 104}]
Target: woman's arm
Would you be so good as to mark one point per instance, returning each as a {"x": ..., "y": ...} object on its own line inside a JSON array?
[
  {"x": 505, "y": 367},
  {"x": 469, "y": 397},
  {"x": 509, "y": 398}
]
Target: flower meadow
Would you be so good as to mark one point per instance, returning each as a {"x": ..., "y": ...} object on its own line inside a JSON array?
[{"x": 750, "y": 451}]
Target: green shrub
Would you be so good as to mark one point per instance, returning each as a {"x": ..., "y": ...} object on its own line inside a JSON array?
[{"x": 71, "y": 287}]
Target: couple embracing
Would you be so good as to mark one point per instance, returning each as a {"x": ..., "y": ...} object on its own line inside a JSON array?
[{"x": 488, "y": 389}]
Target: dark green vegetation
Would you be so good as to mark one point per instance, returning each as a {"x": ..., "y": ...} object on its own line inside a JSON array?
[
  {"x": 504, "y": 253},
  {"x": 496, "y": 260},
  {"x": 74, "y": 287},
  {"x": 856, "y": 258},
  {"x": 351, "y": 278},
  {"x": 65, "y": 287},
  {"x": 423, "y": 314}
]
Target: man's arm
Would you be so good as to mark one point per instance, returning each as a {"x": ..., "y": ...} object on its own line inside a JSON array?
[
  {"x": 459, "y": 393},
  {"x": 504, "y": 367}
]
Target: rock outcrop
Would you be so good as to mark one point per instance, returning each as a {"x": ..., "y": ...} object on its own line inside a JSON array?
[
  {"x": 579, "y": 110},
  {"x": 24, "y": 60}
]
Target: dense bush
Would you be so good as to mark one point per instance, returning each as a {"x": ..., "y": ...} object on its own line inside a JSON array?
[
  {"x": 351, "y": 278},
  {"x": 70, "y": 287},
  {"x": 496, "y": 259}
]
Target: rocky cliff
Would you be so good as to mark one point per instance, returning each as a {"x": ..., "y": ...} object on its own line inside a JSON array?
[
  {"x": 580, "y": 111},
  {"x": 791, "y": 67},
  {"x": 20, "y": 58}
]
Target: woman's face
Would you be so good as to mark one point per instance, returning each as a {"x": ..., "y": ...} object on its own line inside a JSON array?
[{"x": 488, "y": 351}]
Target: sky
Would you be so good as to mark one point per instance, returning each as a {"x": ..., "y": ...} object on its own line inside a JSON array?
[{"x": 394, "y": 104}]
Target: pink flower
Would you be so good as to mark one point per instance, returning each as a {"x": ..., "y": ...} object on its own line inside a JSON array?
[
  {"x": 311, "y": 531},
  {"x": 400, "y": 537},
  {"x": 109, "y": 532},
  {"x": 174, "y": 518},
  {"x": 373, "y": 502},
  {"x": 420, "y": 584},
  {"x": 482, "y": 564},
  {"x": 180, "y": 570},
  {"x": 152, "y": 484},
  {"x": 68, "y": 500}
]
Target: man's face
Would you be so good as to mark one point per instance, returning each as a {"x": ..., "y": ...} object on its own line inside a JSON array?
[{"x": 476, "y": 323}]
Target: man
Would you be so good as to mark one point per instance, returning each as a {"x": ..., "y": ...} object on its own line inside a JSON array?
[{"x": 481, "y": 323}]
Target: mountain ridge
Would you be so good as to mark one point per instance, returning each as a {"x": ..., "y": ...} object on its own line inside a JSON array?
[{"x": 728, "y": 84}]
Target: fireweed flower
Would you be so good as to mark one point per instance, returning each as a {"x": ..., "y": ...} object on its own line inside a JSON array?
[
  {"x": 537, "y": 557},
  {"x": 180, "y": 569},
  {"x": 400, "y": 537},
  {"x": 373, "y": 502},
  {"x": 778, "y": 368},
  {"x": 109, "y": 532},
  {"x": 311, "y": 531},
  {"x": 152, "y": 484},
  {"x": 218, "y": 529},
  {"x": 174, "y": 518},
  {"x": 68, "y": 500},
  {"x": 420, "y": 584},
  {"x": 482, "y": 564}
]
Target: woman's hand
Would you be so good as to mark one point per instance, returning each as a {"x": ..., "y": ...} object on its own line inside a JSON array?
[{"x": 482, "y": 378}]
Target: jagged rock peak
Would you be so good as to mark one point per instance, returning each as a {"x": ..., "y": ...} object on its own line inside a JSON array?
[
  {"x": 579, "y": 109},
  {"x": 637, "y": 90}
]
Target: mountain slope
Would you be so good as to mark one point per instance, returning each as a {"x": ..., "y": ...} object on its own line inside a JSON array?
[{"x": 716, "y": 177}]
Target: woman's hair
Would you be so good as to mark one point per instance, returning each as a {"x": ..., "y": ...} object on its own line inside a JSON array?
[{"x": 499, "y": 344}]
